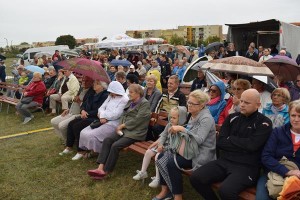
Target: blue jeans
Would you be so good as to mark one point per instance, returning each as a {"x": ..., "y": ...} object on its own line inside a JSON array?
[{"x": 261, "y": 188}]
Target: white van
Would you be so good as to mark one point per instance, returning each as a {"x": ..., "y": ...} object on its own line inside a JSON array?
[{"x": 29, "y": 53}]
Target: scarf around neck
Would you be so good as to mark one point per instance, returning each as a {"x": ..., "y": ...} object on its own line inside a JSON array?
[{"x": 214, "y": 101}]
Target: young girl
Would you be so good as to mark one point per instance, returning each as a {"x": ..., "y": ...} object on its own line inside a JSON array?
[{"x": 177, "y": 116}]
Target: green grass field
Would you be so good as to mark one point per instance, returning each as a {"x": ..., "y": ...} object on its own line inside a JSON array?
[{"x": 30, "y": 167}]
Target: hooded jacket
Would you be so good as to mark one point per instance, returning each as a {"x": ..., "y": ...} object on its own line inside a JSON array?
[{"x": 218, "y": 107}]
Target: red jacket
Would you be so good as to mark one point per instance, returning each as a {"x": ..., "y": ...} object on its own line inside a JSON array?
[
  {"x": 225, "y": 111},
  {"x": 37, "y": 91}
]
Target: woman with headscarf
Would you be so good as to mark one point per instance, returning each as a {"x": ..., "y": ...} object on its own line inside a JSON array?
[
  {"x": 109, "y": 114},
  {"x": 133, "y": 127},
  {"x": 217, "y": 102}
]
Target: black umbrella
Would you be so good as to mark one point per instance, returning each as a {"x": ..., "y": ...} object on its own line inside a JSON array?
[
  {"x": 213, "y": 46},
  {"x": 2, "y": 57}
]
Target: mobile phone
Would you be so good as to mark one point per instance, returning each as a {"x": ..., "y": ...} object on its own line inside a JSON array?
[{"x": 154, "y": 149}]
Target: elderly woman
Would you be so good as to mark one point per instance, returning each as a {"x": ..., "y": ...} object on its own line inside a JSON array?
[
  {"x": 277, "y": 111},
  {"x": 217, "y": 102},
  {"x": 284, "y": 141},
  {"x": 34, "y": 92},
  {"x": 88, "y": 114},
  {"x": 233, "y": 103},
  {"x": 151, "y": 93},
  {"x": 60, "y": 123},
  {"x": 201, "y": 129},
  {"x": 133, "y": 127},
  {"x": 109, "y": 114}
]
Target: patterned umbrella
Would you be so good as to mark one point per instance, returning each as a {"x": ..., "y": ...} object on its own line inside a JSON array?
[
  {"x": 239, "y": 65},
  {"x": 182, "y": 49},
  {"x": 284, "y": 66},
  {"x": 86, "y": 67}
]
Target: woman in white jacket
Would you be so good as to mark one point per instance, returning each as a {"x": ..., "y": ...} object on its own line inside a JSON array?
[{"x": 109, "y": 114}]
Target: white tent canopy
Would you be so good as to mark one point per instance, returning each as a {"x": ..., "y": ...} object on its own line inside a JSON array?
[{"x": 119, "y": 40}]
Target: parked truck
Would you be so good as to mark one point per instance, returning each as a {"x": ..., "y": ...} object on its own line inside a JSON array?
[{"x": 266, "y": 33}]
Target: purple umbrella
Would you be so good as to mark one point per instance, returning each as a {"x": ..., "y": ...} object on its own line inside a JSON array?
[
  {"x": 283, "y": 66},
  {"x": 86, "y": 67}
]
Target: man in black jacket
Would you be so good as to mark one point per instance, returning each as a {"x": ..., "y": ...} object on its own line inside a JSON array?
[{"x": 240, "y": 142}]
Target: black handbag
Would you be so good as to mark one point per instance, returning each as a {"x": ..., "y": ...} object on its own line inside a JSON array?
[
  {"x": 95, "y": 124},
  {"x": 26, "y": 100}
]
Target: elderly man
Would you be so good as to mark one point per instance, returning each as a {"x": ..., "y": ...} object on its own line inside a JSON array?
[
  {"x": 141, "y": 70},
  {"x": 286, "y": 53},
  {"x": 172, "y": 98},
  {"x": 241, "y": 141},
  {"x": 251, "y": 54},
  {"x": 67, "y": 91}
]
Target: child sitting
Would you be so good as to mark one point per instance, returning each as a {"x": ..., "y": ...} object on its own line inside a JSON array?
[
  {"x": 177, "y": 116},
  {"x": 23, "y": 79}
]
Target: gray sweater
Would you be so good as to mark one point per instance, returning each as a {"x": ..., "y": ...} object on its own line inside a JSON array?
[{"x": 202, "y": 128}]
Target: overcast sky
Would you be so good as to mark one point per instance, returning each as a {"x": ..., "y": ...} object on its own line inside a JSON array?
[{"x": 45, "y": 20}]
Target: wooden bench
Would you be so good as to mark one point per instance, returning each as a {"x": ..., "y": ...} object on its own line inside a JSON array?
[
  {"x": 141, "y": 148},
  {"x": 12, "y": 100}
]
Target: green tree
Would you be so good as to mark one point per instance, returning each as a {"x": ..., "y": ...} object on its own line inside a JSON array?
[
  {"x": 176, "y": 40},
  {"x": 212, "y": 39},
  {"x": 66, "y": 40},
  {"x": 24, "y": 43}
]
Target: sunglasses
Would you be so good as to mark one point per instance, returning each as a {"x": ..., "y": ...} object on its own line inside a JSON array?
[{"x": 212, "y": 90}]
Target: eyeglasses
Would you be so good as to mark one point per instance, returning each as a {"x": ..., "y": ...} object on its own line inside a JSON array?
[
  {"x": 212, "y": 91},
  {"x": 192, "y": 104},
  {"x": 276, "y": 95},
  {"x": 238, "y": 89},
  {"x": 297, "y": 81}
]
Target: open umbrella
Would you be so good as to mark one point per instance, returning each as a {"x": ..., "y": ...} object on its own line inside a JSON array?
[
  {"x": 284, "y": 66},
  {"x": 182, "y": 49},
  {"x": 213, "y": 46},
  {"x": 270, "y": 85},
  {"x": 124, "y": 63},
  {"x": 190, "y": 75},
  {"x": 86, "y": 67},
  {"x": 34, "y": 68},
  {"x": 238, "y": 65},
  {"x": 2, "y": 57}
]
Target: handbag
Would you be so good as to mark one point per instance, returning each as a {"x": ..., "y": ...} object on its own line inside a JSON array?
[
  {"x": 95, "y": 124},
  {"x": 275, "y": 182},
  {"x": 26, "y": 100}
]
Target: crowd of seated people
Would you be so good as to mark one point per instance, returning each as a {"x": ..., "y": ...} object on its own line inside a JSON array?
[{"x": 101, "y": 118}]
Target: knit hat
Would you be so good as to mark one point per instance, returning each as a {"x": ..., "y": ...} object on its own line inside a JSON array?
[{"x": 116, "y": 88}]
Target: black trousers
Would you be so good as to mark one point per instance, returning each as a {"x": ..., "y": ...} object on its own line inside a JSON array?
[
  {"x": 74, "y": 129},
  {"x": 235, "y": 178},
  {"x": 110, "y": 150}
]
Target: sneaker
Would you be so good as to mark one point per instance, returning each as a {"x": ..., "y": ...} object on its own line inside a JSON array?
[
  {"x": 140, "y": 175},
  {"x": 78, "y": 156},
  {"x": 66, "y": 151},
  {"x": 26, "y": 120},
  {"x": 154, "y": 183}
]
